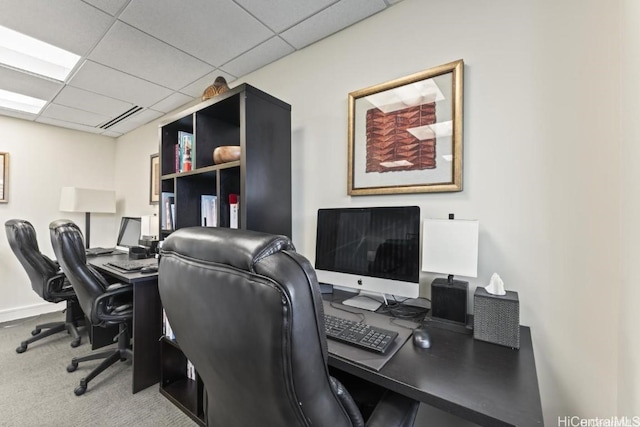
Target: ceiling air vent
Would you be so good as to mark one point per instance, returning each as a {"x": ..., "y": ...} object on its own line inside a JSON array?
[{"x": 121, "y": 117}]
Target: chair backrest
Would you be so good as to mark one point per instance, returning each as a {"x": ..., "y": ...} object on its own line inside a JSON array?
[
  {"x": 246, "y": 310},
  {"x": 24, "y": 244},
  {"x": 88, "y": 284}
]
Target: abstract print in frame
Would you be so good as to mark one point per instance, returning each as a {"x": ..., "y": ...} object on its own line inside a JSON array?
[{"x": 405, "y": 136}]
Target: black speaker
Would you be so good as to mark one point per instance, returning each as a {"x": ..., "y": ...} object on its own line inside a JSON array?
[{"x": 449, "y": 300}]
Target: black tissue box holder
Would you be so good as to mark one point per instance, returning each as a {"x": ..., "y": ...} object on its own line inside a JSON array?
[{"x": 496, "y": 318}]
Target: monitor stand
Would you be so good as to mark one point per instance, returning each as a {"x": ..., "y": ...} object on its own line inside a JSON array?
[{"x": 366, "y": 300}]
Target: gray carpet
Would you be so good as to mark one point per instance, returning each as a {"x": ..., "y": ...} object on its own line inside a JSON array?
[{"x": 36, "y": 389}]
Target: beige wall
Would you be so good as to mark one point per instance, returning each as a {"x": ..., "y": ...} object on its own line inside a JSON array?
[
  {"x": 43, "y": 159},
  {"x": 629, "y": 349}
]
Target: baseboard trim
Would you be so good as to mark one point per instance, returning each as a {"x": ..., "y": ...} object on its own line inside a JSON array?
[{"x": 28, "y": 311}]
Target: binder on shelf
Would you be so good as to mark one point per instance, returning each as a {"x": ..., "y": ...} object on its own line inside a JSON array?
[
  {"x": 208, "y": 210},
  {"x": 167, "y": 212},
  {"x": 187, "y": 147},
  {"x": 234, "y": 210}
]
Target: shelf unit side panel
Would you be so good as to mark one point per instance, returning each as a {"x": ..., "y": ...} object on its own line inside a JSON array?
[{"x": 267, "y": 166}]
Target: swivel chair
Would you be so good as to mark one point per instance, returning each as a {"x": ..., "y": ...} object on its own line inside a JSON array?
[
  {"x": 104, "y": 304},
  {"x": 47, "y": 280},
  {"x": 246, "y": 310}
]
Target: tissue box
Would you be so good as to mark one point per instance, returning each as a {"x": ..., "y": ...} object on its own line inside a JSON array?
[{"x": 496, "y": 318}]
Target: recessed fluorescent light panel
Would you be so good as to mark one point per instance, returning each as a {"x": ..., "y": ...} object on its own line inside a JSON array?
[
  {"x": 32, "y": 55},
  {"x": 15, "y": 101}
]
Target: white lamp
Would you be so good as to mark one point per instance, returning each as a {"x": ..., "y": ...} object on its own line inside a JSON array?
[
  {"x": 73, "y": 199},
  {"x": 450, "y": 247}
]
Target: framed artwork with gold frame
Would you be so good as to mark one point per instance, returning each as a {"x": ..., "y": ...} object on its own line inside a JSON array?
[
  {"x": 154, "y": 183},
  {"x": 405, "y": 136},
  {"x": 4, "y": 177}
]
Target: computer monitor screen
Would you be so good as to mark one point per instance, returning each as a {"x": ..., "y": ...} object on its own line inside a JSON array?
[
  {"x": 372, "y": 250},
  {"x": 129, "y": 234}
]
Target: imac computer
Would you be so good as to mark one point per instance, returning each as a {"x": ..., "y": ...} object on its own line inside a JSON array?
[
  {"x": 375, "y": 251},
  {"x": 129, "y": 234}
]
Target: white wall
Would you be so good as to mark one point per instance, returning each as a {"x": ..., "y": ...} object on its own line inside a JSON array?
[
  {"x": 629, "y": 368},
  {"x": 43, "y": 159}
]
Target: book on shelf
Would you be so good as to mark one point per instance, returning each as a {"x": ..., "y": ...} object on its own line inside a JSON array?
[
  {"x": 208, "y": 210},
  {"x": 186, "y": 151},
  {"x": 234, "y": 210},
  {"x": 166, "y": 327},
  {"x": 167, "y": 213}
]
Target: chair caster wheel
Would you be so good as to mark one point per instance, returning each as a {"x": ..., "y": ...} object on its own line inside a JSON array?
[
  {"x": 72, "y": 366},
  {"x": 75, "y": 342},
  {"x": 80, "y": 390},
  {"x": 22, "y": 348},
  {"x": 36, "y": 331}
]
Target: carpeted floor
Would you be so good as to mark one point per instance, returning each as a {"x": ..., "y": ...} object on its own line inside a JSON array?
[{"x": 36, "y": 389}]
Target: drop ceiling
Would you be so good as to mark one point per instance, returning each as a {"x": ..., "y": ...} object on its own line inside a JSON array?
[{"x": 144, "y": 58}]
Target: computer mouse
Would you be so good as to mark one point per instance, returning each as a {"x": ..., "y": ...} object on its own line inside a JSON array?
[
  {"x": 148, "y": 270},
  {"x": 421, "y": 337}
]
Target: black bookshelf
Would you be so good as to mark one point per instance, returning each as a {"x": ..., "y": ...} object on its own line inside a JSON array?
[{"x": 261, "y": 125}]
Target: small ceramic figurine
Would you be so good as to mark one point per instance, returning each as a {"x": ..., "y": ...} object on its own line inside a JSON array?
[{"x": 219, "y": 86}]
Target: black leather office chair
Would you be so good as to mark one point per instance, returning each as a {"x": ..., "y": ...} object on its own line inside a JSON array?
[
  {"x": 246, "y": 310},
  {"x": 104, "y": 304},
  {"x": 47, "y": 280}
]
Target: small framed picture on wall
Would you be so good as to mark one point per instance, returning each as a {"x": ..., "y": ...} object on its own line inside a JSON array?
[
  {"x": 4, "y": 177},
  {"x": 154, "y": 183}
]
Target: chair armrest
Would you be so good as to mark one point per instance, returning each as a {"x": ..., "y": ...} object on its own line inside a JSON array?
[
  {"x": 347, "y": 402},
  {"x": 58, "y": 288},
  {"x": 115, "y": 304},
  {"x": 394, "y": 410}
]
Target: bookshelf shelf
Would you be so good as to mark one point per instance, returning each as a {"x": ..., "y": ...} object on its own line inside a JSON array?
[{"x": 261, "y": 125}]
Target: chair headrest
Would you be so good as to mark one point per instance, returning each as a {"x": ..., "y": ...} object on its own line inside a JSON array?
[
  {"x": 24, "y": 244},
  {"x": 250, "y": 246}
]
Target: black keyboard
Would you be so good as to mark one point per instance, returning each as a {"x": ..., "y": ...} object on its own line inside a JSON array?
[
  {"x": 358, "y": 334},
  {"x": 134, "y": 265},
  {"x": 99, "y": 251}
]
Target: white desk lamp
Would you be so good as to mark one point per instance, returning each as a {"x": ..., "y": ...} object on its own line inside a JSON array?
[
  {"x": 450, "y": 247},
  {"x": 73, "y": 199}
]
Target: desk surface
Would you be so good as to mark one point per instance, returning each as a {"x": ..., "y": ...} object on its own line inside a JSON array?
[
  {"x": 100, "y": 262},
  {"x": 484, "y": 383}
]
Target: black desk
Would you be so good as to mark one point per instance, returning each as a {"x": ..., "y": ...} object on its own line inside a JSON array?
[
  {"x": 481, "y": 382},
  {"x": 147, "y": 320}
]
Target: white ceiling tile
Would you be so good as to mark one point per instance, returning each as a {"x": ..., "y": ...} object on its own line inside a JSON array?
[
  {"x": 145, "y": 116},
  {"x": 92, "y": 102},
  {"x": 283, "y": 14},
  {"x": 269, "y": 51},
  {"x": 111, "y": 133},
  {"x": 147, "y": 57},
  {"x": 68, "y": 114},
  {"x": 331, "y": 20},
  {"x": 70, "y": 24},
  {"x": 214, "y": 31},
  {"x": 27, "y": 84},
  {"x": 196, "y": 88},
  {"x": 112, "y": 7},
  {"x": 116, "y": 84},
  {"x": 172, "y": 102},
  {"x": 69, "y": 125}
]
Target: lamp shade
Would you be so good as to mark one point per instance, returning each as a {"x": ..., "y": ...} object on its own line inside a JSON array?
[
  {"x": 73, "y": 199},
  {"x": 450, "y": 246}
]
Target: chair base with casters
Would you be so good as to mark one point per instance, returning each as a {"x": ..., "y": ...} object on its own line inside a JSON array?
[
  {"x": 70, "y": 325},
  {"x": 121, "y": 353}
]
